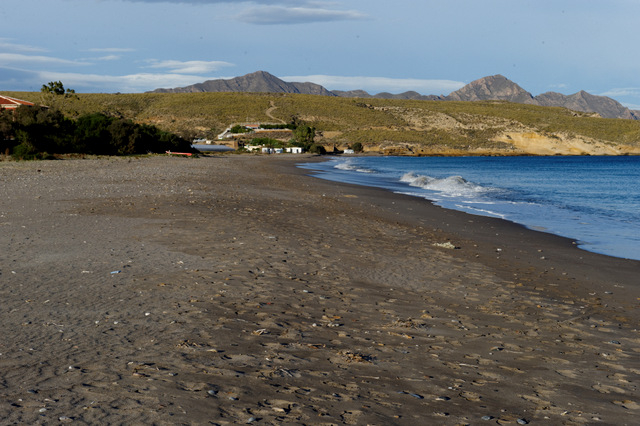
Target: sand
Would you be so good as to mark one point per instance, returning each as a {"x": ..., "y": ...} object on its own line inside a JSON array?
[{"x": 236, "y": 289}]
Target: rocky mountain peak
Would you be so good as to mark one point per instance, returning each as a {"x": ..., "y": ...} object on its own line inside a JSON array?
[
  {"x": 495, "y": 87},
  {"x": 259, "y": 81}
]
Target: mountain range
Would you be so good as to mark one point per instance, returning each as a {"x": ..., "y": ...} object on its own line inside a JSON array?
[{"x": 496, "y": 87}]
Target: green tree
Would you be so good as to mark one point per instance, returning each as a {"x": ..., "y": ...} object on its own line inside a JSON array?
[
  {"x": 6, "y": 128},
  {"x": 45, "y": 129},
  {"x": 357, "y": 147},
  {"x": 53, "y": 88},
  {"x": 54, "y": 94},
  {"x": 305, "y": 135},
  {"x": 317, "y": 149},
  {"x": 39, "y": 131},
  {"x": 238, "y": 128},
  {"x": 93, "y": 135}
]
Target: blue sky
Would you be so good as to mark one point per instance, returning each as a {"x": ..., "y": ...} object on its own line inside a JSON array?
[{"x": 433, "y": 47}]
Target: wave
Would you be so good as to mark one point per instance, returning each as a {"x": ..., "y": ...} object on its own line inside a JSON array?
[
  {"x": 351, "y": 166},
  {"x": 452, "y": 186}
]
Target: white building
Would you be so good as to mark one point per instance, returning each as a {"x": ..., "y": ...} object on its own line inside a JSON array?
[{"x": 294, "y": 149}]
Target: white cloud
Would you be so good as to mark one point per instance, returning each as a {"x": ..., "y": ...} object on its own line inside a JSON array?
[
  {"x": 276, "y": 12},
  {"x": 631, "y": 95},
  {"x": 7, "y": 44},
  {"x": 380, "y": 84},
  {"x": 558, "y": 86},
  {"x": 111, "y": 49},
  {"x": 190, "y": 67},
  {"x": 108, "y": 58},
  {"x": 631, "y": 106},
  {"x": 132, "y": 83},
  {"x": 624, "y": 91},
  {"x": 270, "y": 2},
  {"x": 275, "y": 15},
  {"x": 22, "y": 60}
]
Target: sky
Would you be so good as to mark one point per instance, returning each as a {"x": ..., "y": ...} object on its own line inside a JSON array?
[{"x": 430, "y": 46}]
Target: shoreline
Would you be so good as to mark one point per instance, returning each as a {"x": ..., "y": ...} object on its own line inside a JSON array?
[
  {"x": 520, "y": 240},
  {"x": 584, "y": 242},
  {"x": 234, "y": 289}
]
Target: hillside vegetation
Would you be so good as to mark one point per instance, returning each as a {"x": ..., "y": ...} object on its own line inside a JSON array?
[{"x": 382, "y": 125}]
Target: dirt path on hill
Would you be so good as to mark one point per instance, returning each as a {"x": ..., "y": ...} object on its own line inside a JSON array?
[{"x": 268, "y": 112}]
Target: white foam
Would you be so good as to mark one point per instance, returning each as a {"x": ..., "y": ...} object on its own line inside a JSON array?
[
  {"x": 480, "y": 212},
  {"x": 349, "y": 165},
  {"x": 452, "y": 186}
]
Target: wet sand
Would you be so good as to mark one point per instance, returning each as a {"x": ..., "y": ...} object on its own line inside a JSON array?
[{"x": 236, "y": 289}]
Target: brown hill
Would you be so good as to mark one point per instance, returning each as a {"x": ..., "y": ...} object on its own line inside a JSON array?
[
  {"x": 496, "y": 87},
  {"x": 258, "y": 82},
  {"x": 586, "y": 102},
  {"x": 386, "y": 95}
]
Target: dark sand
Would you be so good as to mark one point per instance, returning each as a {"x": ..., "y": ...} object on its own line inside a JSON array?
[{"x": 236, "y": 289}]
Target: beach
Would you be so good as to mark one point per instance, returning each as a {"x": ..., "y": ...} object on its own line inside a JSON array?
[{"x": 236, "y": 289}]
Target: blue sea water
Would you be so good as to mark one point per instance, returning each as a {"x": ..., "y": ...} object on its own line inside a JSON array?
[{"x": 593, "y": 200}]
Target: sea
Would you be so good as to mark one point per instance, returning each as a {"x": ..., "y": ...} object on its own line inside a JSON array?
[{"x": 593, "y": 200}]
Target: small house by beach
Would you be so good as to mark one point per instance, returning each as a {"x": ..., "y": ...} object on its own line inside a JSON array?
[
  {"x": 294, "y": 149},
  {"x": 9, "y": 103}
]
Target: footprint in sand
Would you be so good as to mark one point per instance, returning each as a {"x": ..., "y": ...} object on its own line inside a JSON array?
[
  {"x": 608, "y": 389},
  {"x": 630, "y": 405},
  {"x": 351, "y": 417},
  {"x": 568, "y": 373},
  {"x": 470, "y": 396}
]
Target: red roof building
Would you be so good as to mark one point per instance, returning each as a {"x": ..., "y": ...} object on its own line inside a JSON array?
[{"x": 7, "y": 102}]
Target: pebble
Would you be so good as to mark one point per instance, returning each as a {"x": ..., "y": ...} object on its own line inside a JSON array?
[
  {"x": 251, "y": 420},
  {"x": 487, "y": 417},
  {"x": 522, "y": 422}
]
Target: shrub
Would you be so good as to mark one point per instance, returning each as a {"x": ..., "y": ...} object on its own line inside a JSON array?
[
  {"x": 305, "y": 134},
  {"x": 40, "y": 130},
  {"x": 317, "y": 149},
  {"x": 268, "y": 142},
  {"x": 239, "y": 129},
  {"x": 24, "y": 151},
  {"x": 357, "y": 147}
]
